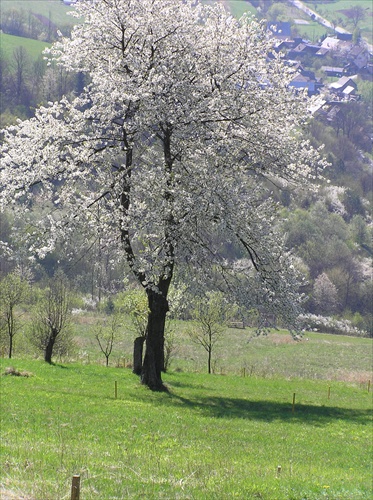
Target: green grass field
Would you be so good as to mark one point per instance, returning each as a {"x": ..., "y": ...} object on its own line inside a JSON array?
[
  {"x": 211, "y": 437},
  {"x": 34, "y": 47},
  {"x": 55, "y": 8},
  {"x": 317, "y": 356},
  {"x": 337, "y": 10},
  {"x": 239, "y": 7}
]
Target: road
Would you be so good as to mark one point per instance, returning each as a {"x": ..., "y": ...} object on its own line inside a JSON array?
[{"x": 316, "y": 17}]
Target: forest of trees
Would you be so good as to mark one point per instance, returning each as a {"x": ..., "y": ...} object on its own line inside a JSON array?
[{"x": 26, "y": 83}]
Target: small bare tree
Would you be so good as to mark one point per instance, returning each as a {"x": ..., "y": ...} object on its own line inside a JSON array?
[
  {"x": 170, "y": 344},
  {"x": 51, "y": 326},
  {"x": 356, "y": 14},
  {"x": 210, "y": 315},
  {"x": 13, "y": 290},
  {"x": 106, "y": 333}
]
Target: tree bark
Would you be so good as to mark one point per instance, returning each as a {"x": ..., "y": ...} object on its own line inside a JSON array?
[
  {"x": 154, "y": 352},
  {"x": 49, "y": 349},
  {"x": 10, "y": 347},
  {"x": 138, "y": 346}
]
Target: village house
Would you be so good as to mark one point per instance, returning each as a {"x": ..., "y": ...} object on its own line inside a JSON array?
[
  {"x": 333, "y": 71},
  {"x": 303, "y": 49},
  {"x": 345, "y": 59},
  {"x": 358, "y": 57},
  {"x": 302, "y": 82},
  {"x": 344, "y": 87}
]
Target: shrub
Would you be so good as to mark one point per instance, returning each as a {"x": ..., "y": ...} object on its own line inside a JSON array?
[{"x": 330, "y": 325}]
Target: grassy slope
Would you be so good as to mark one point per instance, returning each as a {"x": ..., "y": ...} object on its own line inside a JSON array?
[
  {"x": 337, "y": 10},
  {"x": 58, "y": 14},
  {"x": 211, "y": 437},
  {"x": 239, "y": 7},
  {"x": 311, "y": 31},
  {"x": 34, "y": 47},
  {"x": 55, "y": 8},
  {"x": 314, "y": 30}
]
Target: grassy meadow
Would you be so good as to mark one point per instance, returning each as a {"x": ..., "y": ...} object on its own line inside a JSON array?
[
  {"x": 334, "y": 10},
  {"x": 55, "y": 9},
  {"x": 317, "y": 356},
  {"x": 9, "y": 43},
  {"x": 210, "y": 437},
  {"x": 338, "y": 10}
]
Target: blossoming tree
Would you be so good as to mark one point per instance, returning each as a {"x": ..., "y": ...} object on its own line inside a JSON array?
[{"x": 170, "y": 150}]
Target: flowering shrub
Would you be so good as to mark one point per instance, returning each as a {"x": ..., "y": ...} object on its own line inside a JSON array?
[{"x": 328, "y": 324}]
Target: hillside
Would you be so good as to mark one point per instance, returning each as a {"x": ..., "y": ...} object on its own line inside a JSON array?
[
  {"x": 9, "y": 43},
  {"x": 331, "y": 231},
  {"x": 37, "y": 13}
]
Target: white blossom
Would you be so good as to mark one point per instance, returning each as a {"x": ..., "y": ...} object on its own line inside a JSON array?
[{"x": 170, "y": 149}]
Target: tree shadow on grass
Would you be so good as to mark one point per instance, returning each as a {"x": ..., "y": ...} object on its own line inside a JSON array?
[
  {"x": 269, "y": 411},
  {"x": 265, "y": 410},
  {"x": 58, "y": 365}
]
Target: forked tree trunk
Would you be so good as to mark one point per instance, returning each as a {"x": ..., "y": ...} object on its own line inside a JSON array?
[
  {"x": 154, "y": 352},
  {"x": 138, "y": 346}
]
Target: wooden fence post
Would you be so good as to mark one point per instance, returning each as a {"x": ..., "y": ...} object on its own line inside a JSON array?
[
  {"x": 75, "y": 488},
  {"x": 293, "y": 409}
]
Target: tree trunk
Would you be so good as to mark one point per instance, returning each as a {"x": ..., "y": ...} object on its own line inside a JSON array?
[
  {"x": 154, "y": 352},
  {"x": 11, "y": 328},
  {"x": 138, "y": 346},
  {"x": 49, "y": 349},
  {"x": 209, "y": 361},
  {"x": 10, "y": 347}
]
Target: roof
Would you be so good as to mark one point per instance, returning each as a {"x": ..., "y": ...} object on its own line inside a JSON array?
[
  {"x": 349, "y": 90},
  {"x": 342, "y": 82},
  {"x": 332, "y": 69},
  {"x": 316, "y": 106},
  {"x": 356, "y": 50},
  {"x": 330, "y": 43},
  {"x": 322, "y": 52},
  {"x": 301, "y": 78}
]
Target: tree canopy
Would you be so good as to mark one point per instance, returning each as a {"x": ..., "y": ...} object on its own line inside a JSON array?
[{"x": 170, "y": 150}]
